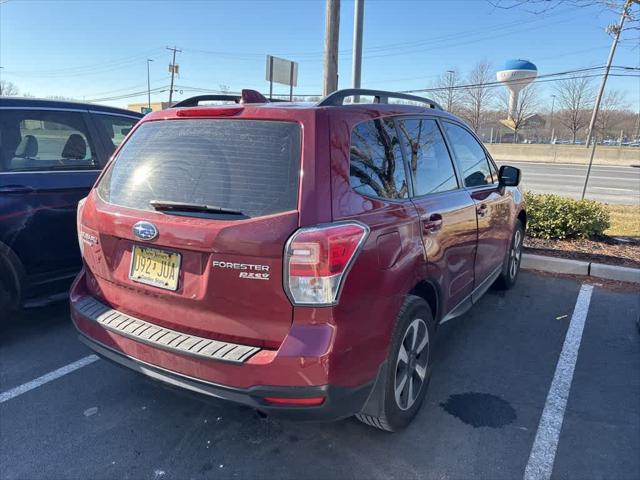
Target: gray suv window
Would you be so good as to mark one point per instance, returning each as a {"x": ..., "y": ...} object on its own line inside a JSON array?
[
  {"x": 242, "y": 165},
  {"x": 428, "y": 157},
  {"x": 376, "y": 165}
]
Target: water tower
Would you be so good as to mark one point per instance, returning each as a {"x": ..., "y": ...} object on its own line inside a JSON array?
[{"x": 516, "y": 75}]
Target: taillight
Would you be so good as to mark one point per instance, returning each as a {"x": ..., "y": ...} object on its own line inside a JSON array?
[
  {"x": 317, "y": 260},
  {"x": 78, "y": 223}
]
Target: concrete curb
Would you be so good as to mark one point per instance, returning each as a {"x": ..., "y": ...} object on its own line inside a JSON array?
[
  {"x": 624, "y": 274},
  {"x": 579, "y": 267}
]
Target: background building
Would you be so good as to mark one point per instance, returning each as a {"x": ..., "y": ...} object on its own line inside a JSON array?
[{"x": 142, "y": 107}]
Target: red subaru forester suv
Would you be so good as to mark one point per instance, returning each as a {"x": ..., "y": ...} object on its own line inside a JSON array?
[{"x": 296, "y": 258}]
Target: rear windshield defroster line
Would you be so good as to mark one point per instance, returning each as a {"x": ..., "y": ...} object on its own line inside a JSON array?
[{"x": 249, "y": 166}]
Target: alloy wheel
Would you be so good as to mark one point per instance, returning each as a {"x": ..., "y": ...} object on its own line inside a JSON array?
[
  {"x": 516, "y": 254},
  {"x": 411, "y": 366}
]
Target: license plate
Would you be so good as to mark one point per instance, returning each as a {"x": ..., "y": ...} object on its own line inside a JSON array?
[{"x": 155, "y": 267}]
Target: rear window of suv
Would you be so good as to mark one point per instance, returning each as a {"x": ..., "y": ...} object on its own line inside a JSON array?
[{"x": 250, "y": 166}]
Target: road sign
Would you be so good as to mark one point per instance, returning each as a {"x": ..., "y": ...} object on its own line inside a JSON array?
[{"x": 280, "y": 70}]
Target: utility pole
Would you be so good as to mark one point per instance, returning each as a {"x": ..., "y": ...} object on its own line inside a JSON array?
[
  {"x": 331, "y": 33},
  {"x": 148, "y": 84},
  {"x": 173, "y": 68},
  {"x": 594, "y": 115},
  {"x": 450, "y": 74},
  {"x": 358, "y": 19}
]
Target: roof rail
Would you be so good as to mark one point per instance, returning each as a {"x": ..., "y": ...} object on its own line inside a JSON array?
[
  {"x": 380, "y": 96},
  {"x": 247, "y": 96}
]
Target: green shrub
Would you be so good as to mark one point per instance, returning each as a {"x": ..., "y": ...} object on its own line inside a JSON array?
[{"x": 552, "y": 216}]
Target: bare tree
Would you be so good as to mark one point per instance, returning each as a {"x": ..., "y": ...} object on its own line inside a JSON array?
[
  {"x": 478, "y": 96},
  {"x": 538, "y": 7},
  {"x": 528, "y": 102},
  {"x": 8, "y": 89},
  {"x": 446, "y": 93},
  {"x": 575, "y": 98},
  {"x": 612, "y": 105}
]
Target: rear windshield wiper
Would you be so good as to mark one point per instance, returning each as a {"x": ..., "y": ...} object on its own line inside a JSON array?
[{"x": 191, "y": 207}]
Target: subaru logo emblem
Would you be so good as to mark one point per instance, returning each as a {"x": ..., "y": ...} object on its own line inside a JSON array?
[{"x": 145, "y": 230}]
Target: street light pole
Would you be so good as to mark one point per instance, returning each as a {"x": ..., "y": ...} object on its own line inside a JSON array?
[
  {"x": 148, "y": 84},
  {"x": 553, "y": 104},
  {"x": 358, "y": 18},
  {"x": 331, "y": 33}
]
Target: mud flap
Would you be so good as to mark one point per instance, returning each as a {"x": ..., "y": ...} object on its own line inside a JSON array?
[{"x": 374, "y": 405}]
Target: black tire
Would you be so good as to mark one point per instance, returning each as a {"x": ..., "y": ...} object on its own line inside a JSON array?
[
  {"x": 392, "y": 412},
  {"x": 511, "y": 266}
]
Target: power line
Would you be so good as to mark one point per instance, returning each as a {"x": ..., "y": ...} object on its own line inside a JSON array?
[
  {"x": 438, "y": 45},
  {"x": 490, "y": 85},
  {"x": 625, "y": 71},
  {"x": 124, "y": 89},
  {"x": 387, "y": 49},
  {"x": 129, "y": 95},
  {"x": 87, "y": 70},
  {"x": 392, "y": 47},
  {"x": 539, "y": 79},
  {"x": 444, "y": 42}
]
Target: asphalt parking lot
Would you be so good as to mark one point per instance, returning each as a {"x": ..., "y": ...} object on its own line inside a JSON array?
[{"x": 494, "y": 369}]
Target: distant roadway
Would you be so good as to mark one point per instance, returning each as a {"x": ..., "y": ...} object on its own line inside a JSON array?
[{"x": 606, "y": 183}]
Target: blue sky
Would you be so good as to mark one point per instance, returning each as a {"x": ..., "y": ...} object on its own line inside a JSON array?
[{"x": 97, "y": 49}]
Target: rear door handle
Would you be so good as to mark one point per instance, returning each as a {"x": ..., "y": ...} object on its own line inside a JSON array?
[
  {"x": 433, "y": 223},
  {"x": 16, "y": 189}
]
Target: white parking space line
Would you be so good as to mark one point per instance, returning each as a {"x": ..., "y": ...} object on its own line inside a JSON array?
[
  {"x": 543, "y": 452},
  {"x": 46, "y": 378},
  {"x": 616, "y": 189}
]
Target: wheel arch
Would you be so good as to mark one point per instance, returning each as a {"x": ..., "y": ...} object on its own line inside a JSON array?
[
  {"x": 429, "y": 292},
  {"x": 522, "y": 216}
]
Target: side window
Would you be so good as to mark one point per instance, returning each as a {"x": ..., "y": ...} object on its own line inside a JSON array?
[
  {"x": 429, "y": 159},
  {"x": 376, "y": 165},
  {"x": 470, "y": 155},
  {"x": 115, "y": 128},
  {"x": 32, "y": 140}
]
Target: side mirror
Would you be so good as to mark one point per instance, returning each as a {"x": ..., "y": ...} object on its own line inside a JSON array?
[{"x": 509, "y": 176}]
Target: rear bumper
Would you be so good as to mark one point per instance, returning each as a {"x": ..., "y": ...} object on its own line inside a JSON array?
[
  {"x": 339, "y": 402},
  {"x": 305, "y": 366}
]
